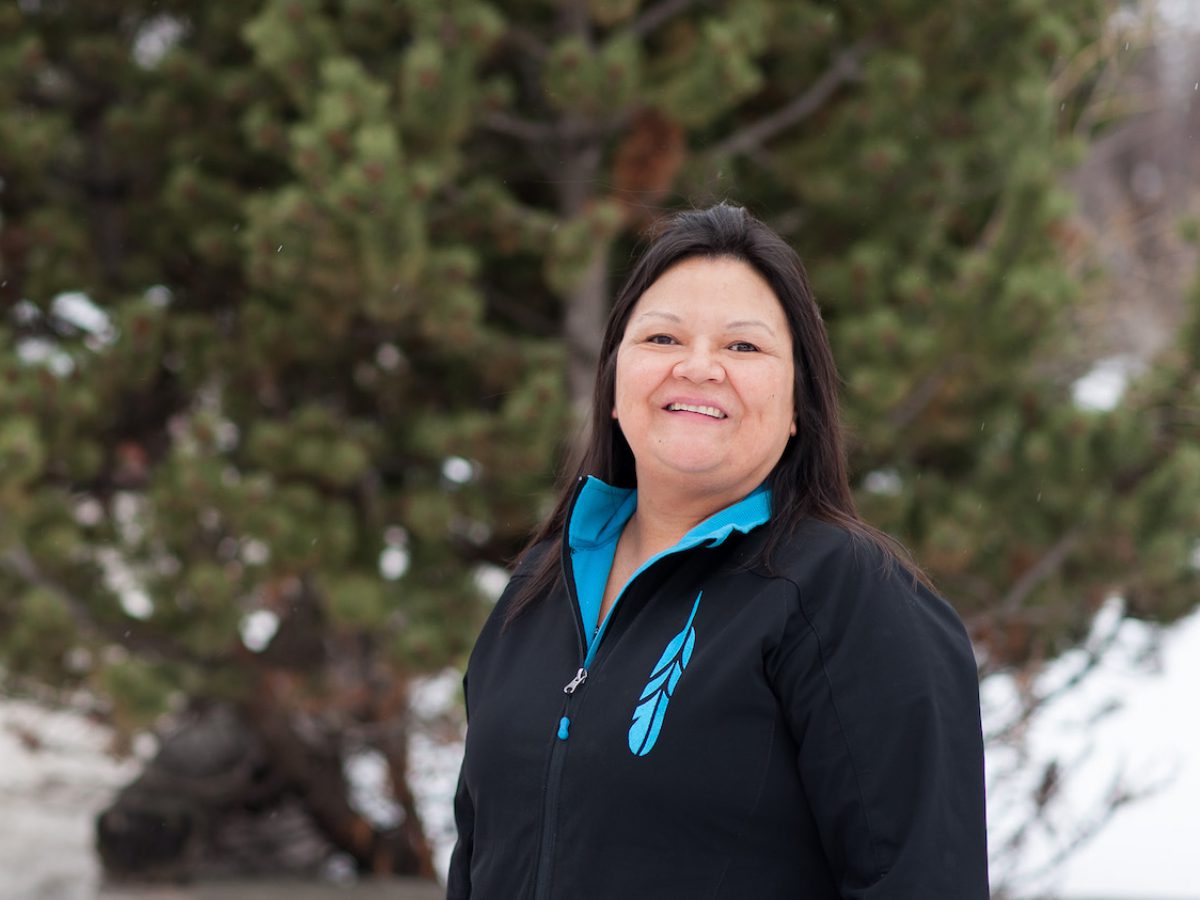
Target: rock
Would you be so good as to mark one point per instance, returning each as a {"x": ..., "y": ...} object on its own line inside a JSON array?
[{"x": 384, "y": 889}]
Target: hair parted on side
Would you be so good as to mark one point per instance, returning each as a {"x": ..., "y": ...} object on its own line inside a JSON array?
[{"x": 811, "y": 478}]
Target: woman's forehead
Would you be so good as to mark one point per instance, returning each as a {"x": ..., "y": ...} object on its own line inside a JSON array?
[{"x": 719, "y": 291}]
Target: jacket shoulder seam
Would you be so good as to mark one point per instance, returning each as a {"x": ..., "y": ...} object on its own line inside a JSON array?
[{"x": 837, "y": 712}]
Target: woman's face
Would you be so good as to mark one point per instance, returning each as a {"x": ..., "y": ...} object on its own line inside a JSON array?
[{"x": 704, "y": 379}]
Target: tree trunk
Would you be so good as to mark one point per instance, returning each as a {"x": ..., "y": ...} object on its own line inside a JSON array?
[
  {"x": 242, "y": 793},
  {"x": 587, "y": 304},
  {"x": 587, "y": 309},
  {"x": 312, "y": 764}
]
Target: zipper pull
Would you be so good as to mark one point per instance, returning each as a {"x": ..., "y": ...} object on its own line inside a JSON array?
[{"x": 580, "y": 678}]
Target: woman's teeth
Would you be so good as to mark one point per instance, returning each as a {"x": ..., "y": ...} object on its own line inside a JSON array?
[{"x": 703, "y": 410}]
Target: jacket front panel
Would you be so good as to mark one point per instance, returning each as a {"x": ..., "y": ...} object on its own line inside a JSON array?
[
  {"x": 719, "y": 790},
  {"x": 514, "y": 701},
  {"x": 819, "y": 739}
]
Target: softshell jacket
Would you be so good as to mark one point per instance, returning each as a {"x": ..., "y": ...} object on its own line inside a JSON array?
[{"x": 729, "y": 733}]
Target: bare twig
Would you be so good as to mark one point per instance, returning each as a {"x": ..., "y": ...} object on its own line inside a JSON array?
[
  {"x": 658, "y": 15},
  {"x": 1118, "y": 795},
  {"x": 1044, "y": 568},
  {"x": 575, "y": 19},
  {"x": 921, "y": 396},
  {"x": 1035, "y": 702},
  {"x": 571, "y": 129},
  {"x": 523, "y": 314},
  {"x": 844, "y": 68},
  {"x": 526, "y": 41},
  {"x": 522, "y": 129}
]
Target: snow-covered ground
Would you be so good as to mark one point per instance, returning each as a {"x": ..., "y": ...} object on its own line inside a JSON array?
[
  {"x": 434, "y": 761},
  {"x": 54, "y": 777},
  {"x": 56, "y": 774},
  {"x": 1149, "y": 849}
]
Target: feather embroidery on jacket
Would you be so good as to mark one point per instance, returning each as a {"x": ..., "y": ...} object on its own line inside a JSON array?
[{"x": 652, "y": 704}]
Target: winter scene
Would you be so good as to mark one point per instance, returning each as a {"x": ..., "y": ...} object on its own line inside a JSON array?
[{"x": 599, "y": 449}]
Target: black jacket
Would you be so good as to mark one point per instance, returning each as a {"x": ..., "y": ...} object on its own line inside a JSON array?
[{"x": 813, "y": 734}]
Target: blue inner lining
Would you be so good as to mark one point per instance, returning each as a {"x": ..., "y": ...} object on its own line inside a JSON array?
[{"x": 596, "y": 523}]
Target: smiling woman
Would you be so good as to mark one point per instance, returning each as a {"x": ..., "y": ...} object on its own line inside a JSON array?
[
  {"x": 704, "y": 381},
  {"x": 708, "y": 677}
]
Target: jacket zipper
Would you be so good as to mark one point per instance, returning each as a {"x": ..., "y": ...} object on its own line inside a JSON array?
[
  {"x": 558, "y": 755},
  {"x": 558, "y": 749}
]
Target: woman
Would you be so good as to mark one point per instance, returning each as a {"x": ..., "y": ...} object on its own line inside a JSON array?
[{"x": 708, "y": 678}]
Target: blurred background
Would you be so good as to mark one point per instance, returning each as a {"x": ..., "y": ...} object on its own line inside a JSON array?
[{"x": 299, "y": 306}]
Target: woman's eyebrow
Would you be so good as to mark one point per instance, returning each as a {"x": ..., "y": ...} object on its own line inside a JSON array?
[
  {"x": 664, "y": 315},
  {"x": 751, "y": 323},
  {"x": 739, "y": 323}
]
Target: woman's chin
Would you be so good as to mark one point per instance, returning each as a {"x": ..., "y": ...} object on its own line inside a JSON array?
[{"x": 688, "y": 467}]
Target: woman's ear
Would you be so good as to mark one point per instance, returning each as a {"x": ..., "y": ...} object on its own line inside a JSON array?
[{"x": 792, "y": 430}]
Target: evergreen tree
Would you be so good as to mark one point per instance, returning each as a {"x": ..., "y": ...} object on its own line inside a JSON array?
[{"x": 302, "y": 300}]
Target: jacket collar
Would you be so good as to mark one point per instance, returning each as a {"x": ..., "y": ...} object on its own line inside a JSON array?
[{"x": 601, "y": 511}]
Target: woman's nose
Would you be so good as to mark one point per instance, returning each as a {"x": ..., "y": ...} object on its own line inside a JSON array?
[{"x": 700, "y": 365}]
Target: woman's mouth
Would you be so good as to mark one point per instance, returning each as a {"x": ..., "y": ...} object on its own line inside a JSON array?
[{"x": 710, "y": 411}]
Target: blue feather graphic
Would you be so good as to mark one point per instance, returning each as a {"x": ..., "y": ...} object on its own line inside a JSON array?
[{"x": 652, "y": 705}]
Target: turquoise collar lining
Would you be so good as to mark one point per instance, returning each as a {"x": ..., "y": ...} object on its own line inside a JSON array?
[
  {"x": 602, "y": 510},
  {"x": 599, "y": 516}
]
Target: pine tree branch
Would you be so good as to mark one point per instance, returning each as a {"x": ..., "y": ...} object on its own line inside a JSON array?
[
  {"x": 134, "y": 636},
  {"x": 575, "y": 20},
  {"x": 845, "y": 67},
  {"x": 522, "y": 314},
  {"x": 571, "y": 129},
  {"x": 657, "y": 16},
  {"x": 522, "y": 129},
  {"x": 921, "y": 396},
  {"x": 526, "y": 41},
  {"x": 1033, "y": 577}
]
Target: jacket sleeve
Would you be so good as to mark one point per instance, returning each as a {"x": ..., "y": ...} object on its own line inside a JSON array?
[
  {"x": 458, "y": 879},
  {"x": 877, "y": 680}
]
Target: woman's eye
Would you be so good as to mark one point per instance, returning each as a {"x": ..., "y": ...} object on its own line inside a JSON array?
[
  {"x": 743, "y": 347},
  {"x": 660, "y": 339}
]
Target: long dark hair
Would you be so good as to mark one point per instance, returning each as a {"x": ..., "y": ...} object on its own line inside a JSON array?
[{"x": 810, "y": 480}]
